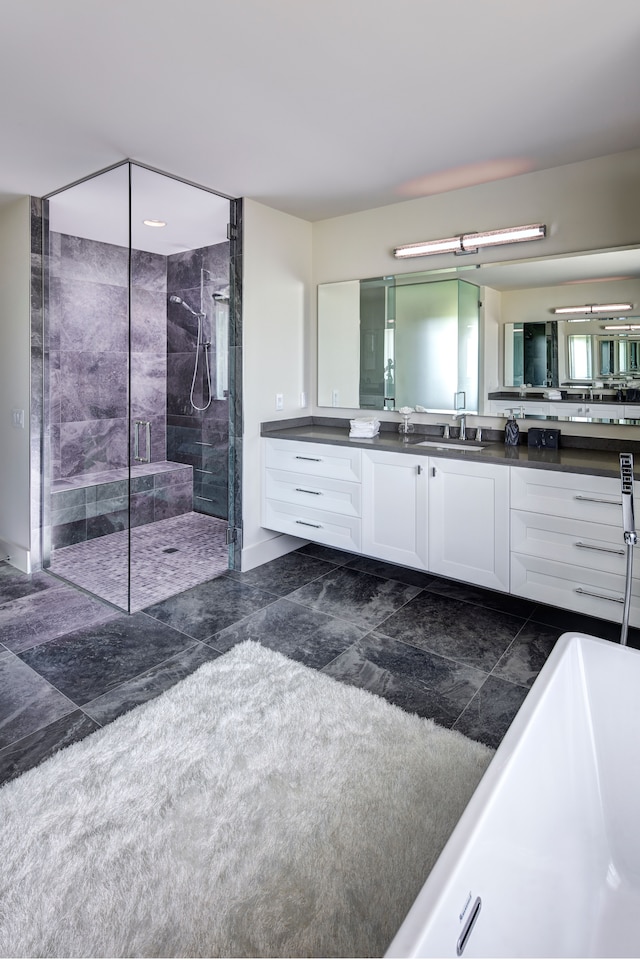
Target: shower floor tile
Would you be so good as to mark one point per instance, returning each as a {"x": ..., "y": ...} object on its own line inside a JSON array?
[{"x": 167, "y": 557}]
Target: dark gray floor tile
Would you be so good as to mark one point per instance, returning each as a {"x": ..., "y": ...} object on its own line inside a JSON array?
[
  {"x": 570, "y": 622},
  {"x": 355, "y": 596},
  {"x": 150, "y": 684},
  {"x": 473, "y": 635},
  {"x": 298, "y": 632},
  {"x": 284, "y": 574},
  {"x": 490, "y": 714},
  {"x": 27, "y": 701},
  {"x": 331, "y": 555},
  {"x": 416, "y": 680},
  {"x": 88, "y": 663},
  {"x": 33, "y": 749},
  {"x": 39, "y": 617},
  {"x": 210, "y": 607},
  {"x": 15, "y": 584},
  {"x": 524, "y": 659},
  {"x": 504, "y": 602},
  {"x": 390, "y": 571}
]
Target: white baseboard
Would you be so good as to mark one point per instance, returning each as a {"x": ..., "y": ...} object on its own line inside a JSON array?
[
  {"x": 266, "y": 550},
  {"x": 18, "y": 557}
]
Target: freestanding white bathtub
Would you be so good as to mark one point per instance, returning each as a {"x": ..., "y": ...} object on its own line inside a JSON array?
[{"x": 545, "y": 860}]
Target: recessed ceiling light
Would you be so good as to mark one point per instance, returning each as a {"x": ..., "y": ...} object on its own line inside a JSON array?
[{"x": 155, "y": 223}]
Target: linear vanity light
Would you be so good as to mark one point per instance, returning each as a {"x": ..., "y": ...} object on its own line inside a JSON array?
[
  {"x": 595, "y": 308},
  {"x": 470, "y": 242},
  {"x": 622, "y": 326}
]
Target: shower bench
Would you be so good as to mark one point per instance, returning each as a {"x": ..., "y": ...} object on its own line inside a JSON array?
[{"x": 92, "y": 505}]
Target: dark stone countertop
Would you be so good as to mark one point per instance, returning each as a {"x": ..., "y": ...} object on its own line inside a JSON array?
[{"x": 573, "y": 456}]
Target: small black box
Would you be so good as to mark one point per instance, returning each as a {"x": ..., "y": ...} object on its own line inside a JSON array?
[{"x": 543, "y": 439}]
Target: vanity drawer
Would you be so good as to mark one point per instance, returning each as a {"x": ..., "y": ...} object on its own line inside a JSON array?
[
  {"x": 592, "y": 592},
  {"x": 579, "y": 496},
  {"x": 321, "y": 493},
  {"x": 321, "y": 526},
  {"x": 596, "y": 546},
  {"x": 317, "y": 459}
]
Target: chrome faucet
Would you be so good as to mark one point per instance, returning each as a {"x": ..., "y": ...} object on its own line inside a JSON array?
[{"x": 463, "y": 424}]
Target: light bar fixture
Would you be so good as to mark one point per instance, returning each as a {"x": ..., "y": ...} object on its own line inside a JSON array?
[
  {"x": 595, "y": 308},
  {"x": 470, "y": 242},
  {"x": 622, "y": 326}
]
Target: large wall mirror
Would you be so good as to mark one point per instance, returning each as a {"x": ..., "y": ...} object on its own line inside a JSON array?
[
  {"x": 392, "y": 342},
  {"x": 354, "y": 317}
]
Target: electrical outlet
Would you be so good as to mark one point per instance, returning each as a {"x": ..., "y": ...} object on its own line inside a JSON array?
[
  {"x": 335, "y": 398},
  {"x": 279, "y": 401}
]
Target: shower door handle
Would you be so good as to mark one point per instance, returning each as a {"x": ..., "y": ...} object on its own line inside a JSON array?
[{"x": 136, "y": 441}]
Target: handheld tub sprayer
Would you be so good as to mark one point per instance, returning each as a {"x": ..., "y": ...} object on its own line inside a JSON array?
[{"x": 630, "y": 535}]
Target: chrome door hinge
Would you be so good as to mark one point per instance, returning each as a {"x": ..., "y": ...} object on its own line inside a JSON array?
[
  {"x": 232, "y": 231},
  {"x": 234, "y": 535}
]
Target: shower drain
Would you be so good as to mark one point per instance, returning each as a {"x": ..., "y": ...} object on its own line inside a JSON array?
[{"x": 170, "y": 550}]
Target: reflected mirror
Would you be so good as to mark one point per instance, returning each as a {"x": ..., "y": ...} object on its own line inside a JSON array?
[{"x": 391, "y": 342}]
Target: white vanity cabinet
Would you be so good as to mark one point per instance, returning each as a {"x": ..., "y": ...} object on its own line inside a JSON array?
[
  {"x": 567, "y": 546},
  {"x": 587, "y": 410},
  {"x": 394, "y": 507},
  {"x": 521, "y": 408},
  {"x": 469, "y": 522},
  {"x": 313, "y": 491}
]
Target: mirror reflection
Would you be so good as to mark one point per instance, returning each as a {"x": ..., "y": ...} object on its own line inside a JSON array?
[
  {"x": 387, "y": 342},
  {"x": 560, "y": 353}
]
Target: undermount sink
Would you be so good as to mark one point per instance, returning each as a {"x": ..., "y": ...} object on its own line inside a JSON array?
[{"x": 447, "y": 445}]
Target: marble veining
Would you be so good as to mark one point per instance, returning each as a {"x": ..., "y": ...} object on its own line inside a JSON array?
[{"x": 65, "y": 687}]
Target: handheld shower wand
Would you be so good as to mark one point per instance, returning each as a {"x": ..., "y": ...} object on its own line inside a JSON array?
[
  {"x": 184, "y": 303},
  {"x": 206, "y": 345},
  {"x": 630, "y": 535}
]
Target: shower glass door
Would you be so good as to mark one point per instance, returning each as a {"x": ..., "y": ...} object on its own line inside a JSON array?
[{"x": 136, "y": 404}]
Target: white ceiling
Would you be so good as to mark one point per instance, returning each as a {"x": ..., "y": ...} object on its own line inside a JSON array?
[{"x": 315, "y": 107}]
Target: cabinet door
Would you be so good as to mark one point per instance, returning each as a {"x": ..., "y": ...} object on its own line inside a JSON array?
[
  {"x": 394, "y": 507},
  {"x": 469, "y": 522}
]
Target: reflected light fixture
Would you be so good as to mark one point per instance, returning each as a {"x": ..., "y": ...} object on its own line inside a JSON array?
[
  {"x": 622, "y": 326},
  {"x": 595, "y": 308},
  {"x": 155, "y": 223},
  {"x": 471, "y": 242}
]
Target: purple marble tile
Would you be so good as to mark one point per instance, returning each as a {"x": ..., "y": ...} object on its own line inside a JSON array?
[
  {"x": 93, "y": 315},
  {"x": 148, "y": 271},
  {"x": 148, "y": 321},
  {"x": 92, "y": 446},
  {"x": 82, "y": 259},
  {"x": 173, "y": 500}
]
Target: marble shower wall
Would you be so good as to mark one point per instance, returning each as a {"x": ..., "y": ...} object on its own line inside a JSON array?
[
  {"x": 88, "y": 344},
  {"x": 199, "y": 438},
  {"x": 88, "y": 340}
]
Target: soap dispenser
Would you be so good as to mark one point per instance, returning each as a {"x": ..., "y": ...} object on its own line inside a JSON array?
[{"x": 512, "y": 432}]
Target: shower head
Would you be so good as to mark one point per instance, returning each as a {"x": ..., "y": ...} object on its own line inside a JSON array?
[{"x": 175, "y": 299}]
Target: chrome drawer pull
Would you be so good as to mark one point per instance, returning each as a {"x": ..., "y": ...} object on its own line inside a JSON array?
[
  {"x": 315, "y": 459},
  {"x": 599, "y": 596},
  {"x": 590, "y": 546},
  {"x": 304, "y": 523},
  {"x": 612, "y": 503},
  {"x": 318, "y": 493}
]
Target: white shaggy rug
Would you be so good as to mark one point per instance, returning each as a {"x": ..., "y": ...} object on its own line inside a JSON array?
[{"x": 257, "y": 809}]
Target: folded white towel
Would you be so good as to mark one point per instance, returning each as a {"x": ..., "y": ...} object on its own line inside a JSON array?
[
  {"x": 553, "y": 395},
  {"x": 364, "y": 427}
]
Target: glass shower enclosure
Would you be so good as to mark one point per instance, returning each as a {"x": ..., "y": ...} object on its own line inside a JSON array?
[{"x": 136, "y": 387}]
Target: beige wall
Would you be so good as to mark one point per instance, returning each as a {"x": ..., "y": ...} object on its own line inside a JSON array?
[
  {"x": 14, "y": 381},
  {"x": 276, "y": 355}
]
